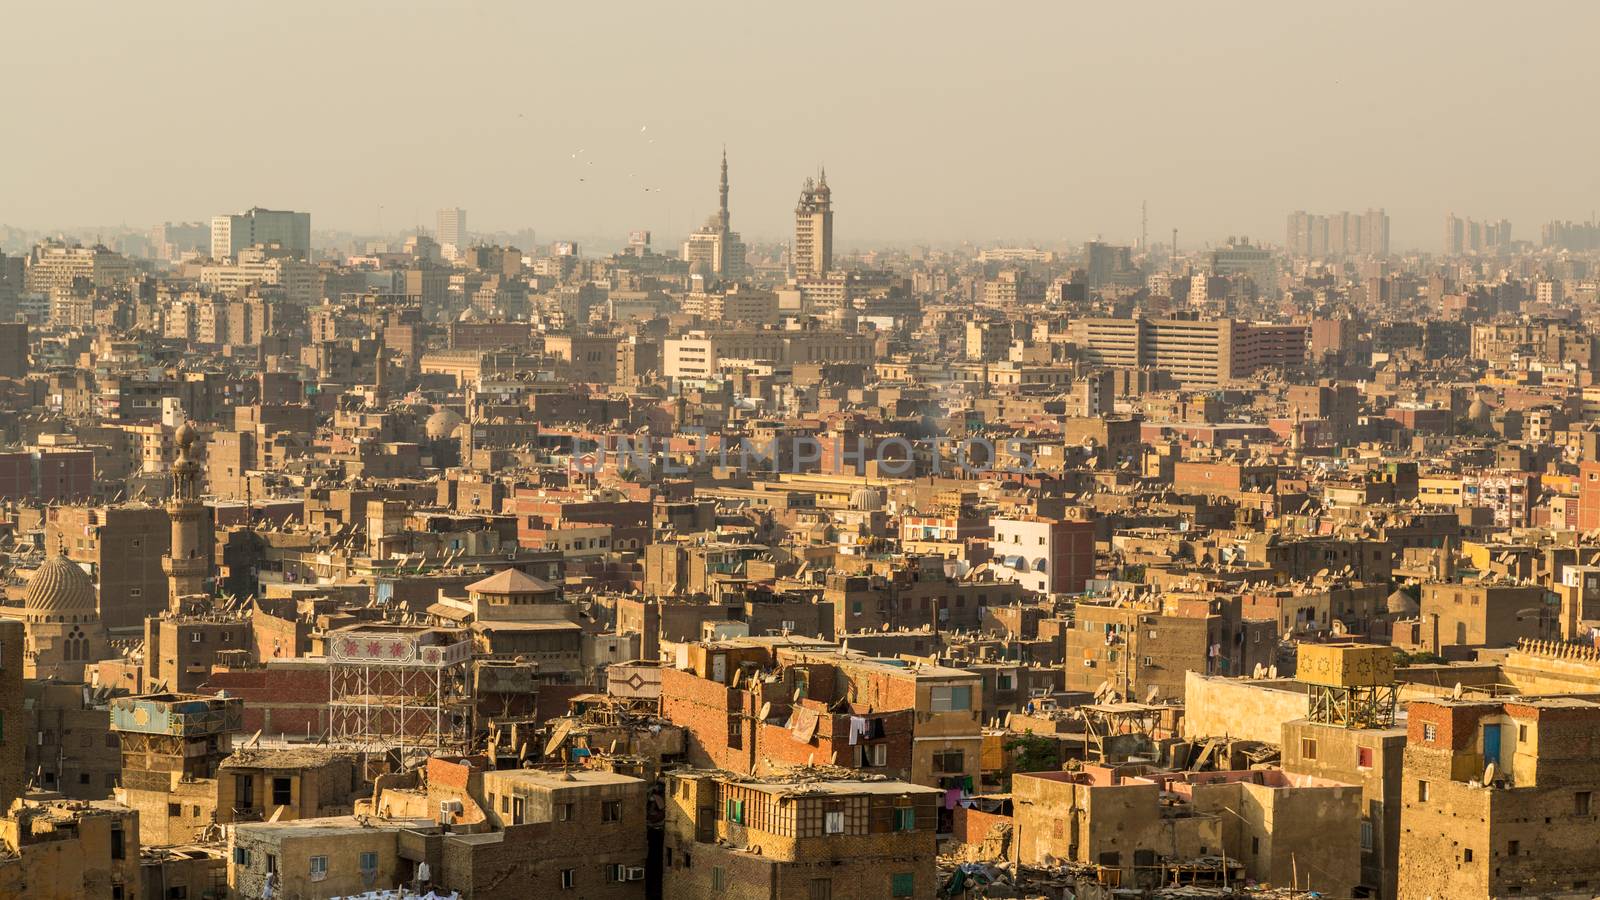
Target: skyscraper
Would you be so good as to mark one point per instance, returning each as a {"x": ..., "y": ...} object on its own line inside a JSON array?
[
  {"x": 453, "y": 227},
  {"x": 1340, "y": 234},
  {"x": 230, "y": 234},
  {"x": 715, "y": 249},
  {"x": 813, "y": 229}
]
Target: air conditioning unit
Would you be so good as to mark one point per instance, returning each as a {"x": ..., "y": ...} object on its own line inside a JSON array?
[{"x": 1088, "y": 664}]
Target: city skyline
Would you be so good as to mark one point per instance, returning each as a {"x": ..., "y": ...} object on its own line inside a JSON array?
[{"x": 906, "y": 127}]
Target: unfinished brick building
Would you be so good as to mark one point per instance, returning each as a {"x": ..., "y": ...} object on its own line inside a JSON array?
[
  {"x": 1498, "y": 799},
  {"x": 758, "y": 705}
]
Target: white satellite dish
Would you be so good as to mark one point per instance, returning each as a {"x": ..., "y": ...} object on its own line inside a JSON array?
[
  {"x": 1455, "y": 692},
  {"x": 1489, "y": 773}
]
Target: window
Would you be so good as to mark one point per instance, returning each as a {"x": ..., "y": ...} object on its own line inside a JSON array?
[
  {"x": 611, "y": 811},
  {"x": 1466, "y": 854},
  {"x": 272, "y": 863},
  {"x": 905, "y": 819},
  {"x": 1422, "y": 792},
  {"x": 719, "y": 879},
  {"x": 1363, "y": 757},
  {"x": 119, "y": 847},
  {"x": 735, "y": 812},
  {"x": 241, "y": 856},
  {"x": 1308, "y": 748},
  {"x": 516, "y": 810},
  {"x": 1580, "y": 803},
  {"x": 569, "y": 879},
  {"x": 563, "y": 812},
  {"x": 944, "y": 698},
  {"x": 903, "y": 884},
  {"x": 833, "y": 821},
  {"x": 822, "y": 889},
  {"x": 282, "y": 789},
  {"x": 319, "y": 868},
  {"x": 369, "y": 861},
  {"x": 1255, "y": 846},
  {"x": 174, "y": 810},
  {"x": 949, "y": 761},
  {"x": 1513, "y": 848},
  {"x": 1522, "y": 732},
  {"x": 178, "y": 892},
  {"x": 1430, "y": 732}
]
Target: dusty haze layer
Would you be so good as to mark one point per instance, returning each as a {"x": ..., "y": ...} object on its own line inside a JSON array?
[{"x": 941, "y": 121}]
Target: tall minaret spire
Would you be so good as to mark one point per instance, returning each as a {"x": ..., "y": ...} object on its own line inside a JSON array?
[{"x": 722, "y": 209}]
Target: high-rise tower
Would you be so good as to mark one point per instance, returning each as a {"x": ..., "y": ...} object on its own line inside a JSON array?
[
  {"x": 813, "y": 229},
  {"x": 453, "y": 227},
  {"x": 187, "y": 564}
]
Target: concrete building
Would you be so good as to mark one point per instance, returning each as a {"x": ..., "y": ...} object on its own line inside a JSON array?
[
  {"x": 1047, "y": 556},
  {"x": 813, "y": 229},
  {"x": 257, "y": 227},
  {"x": 122, "y": 547},
  {"x": 56, "y": 267},
  {"x": 1199, "y": 352},
  {"x": 798, "y": 838},
  {"x": 1150, "y": 647},
  {"x": 452, "y": 231}
]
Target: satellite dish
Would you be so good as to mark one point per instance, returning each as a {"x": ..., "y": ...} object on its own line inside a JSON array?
[
  {"x": 766, "y": 710},
  {"x": 1259, "y": 671},
  {"x": 1272, "y": 672},
  {"x": 1455, "y": 692},
  {"x": 1489, "y": 773},
  {"x": 1150, "y": 695}
]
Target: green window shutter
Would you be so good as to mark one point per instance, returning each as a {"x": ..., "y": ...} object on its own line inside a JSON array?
[{"x": 903, "y": 884}]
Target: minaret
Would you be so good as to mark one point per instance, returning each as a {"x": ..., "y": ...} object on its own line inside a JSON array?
[
  {"x": 722, "y": 190},
  {"x": 186, "y": 564}
]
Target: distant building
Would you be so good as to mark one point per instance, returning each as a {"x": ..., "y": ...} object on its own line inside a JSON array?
[
  {"x": 715, "y": 249},
  {"x": 1342, "y": 234},
  {"x": 813, "y": 229},
  {"x": 453, "y": 228},
  {"x": 255, "y": 227}
]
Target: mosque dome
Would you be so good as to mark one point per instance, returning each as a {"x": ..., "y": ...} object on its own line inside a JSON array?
[
  {"x": 442, "y": 424},
  {"x": 185, "y": 436},
  {"x": 60, "y": 587},
  {"x": 1479, "y": 411},
  {"x": 865, "y": 499},
  {"x": 1401, "y": 604}
]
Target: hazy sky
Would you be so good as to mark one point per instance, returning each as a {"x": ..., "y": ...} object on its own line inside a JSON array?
[{"x": 940, "y": 121}]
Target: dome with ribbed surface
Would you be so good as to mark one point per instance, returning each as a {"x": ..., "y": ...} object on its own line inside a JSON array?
[
  {"x": 865, "y": 499},
  {"x": 60, "y": 586}
]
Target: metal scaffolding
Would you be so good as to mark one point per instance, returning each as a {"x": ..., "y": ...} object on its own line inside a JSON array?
[{"x": 400, "y": 688}]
